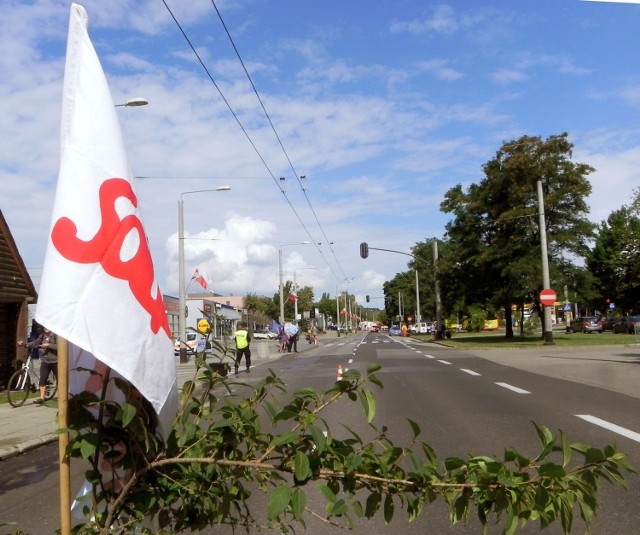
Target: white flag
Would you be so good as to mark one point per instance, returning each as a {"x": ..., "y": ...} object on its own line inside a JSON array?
[{"x": 98, "y": 286}]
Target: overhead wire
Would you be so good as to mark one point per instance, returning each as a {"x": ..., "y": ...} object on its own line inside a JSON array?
[
  {"x": 244, "y": 130},
  {"x": 275, "y": 132}
]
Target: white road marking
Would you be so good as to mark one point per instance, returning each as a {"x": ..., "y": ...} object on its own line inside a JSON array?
[
  {"x": 470, "y": 372},
  {"x": 611, "y": 427},
  {"x": 513, "y": 388},
  {"x": 445, "y": 362},
  {"x": 430, "y": 356},
  {"x": 350, "y": 361}
]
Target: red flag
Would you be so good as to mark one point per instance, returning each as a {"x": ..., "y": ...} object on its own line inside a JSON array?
[
  {"x": 293, "y": 297},
  {"x": 201, "y": 278},
  {"x": 98, "y": 286}
]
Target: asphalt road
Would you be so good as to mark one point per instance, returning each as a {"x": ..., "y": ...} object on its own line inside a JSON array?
[{"x": 465, "y": 404}]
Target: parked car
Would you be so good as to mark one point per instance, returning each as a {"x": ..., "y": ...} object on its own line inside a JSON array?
[
  {"x": 395, "y": 331},
  {"x": 586, "y": 324},
  {"x": 192, "y": 341},
  {"x": 628, "y": 324},
  {"x": 609, "y": 323},
  {"x": 264, "y": 335}
]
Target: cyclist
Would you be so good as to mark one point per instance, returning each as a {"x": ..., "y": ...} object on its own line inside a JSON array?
[{"x": 48, "y": 345}]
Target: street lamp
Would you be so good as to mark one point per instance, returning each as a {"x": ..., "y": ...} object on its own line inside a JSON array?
[
  {"x": 182, "y": 327},
  {"x": 280, "y": 273},
  {"x": 134, "y": 102}
]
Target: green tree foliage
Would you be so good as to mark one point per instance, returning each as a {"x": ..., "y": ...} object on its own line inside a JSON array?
[
  {"x": 400, "y": 295},
  {"x": 224, "y": 447},
  {"x": 305, "y": 300},
  {"x": 327, "y": 307},
  {"x": 494, "y": 240},
  {"x": 615, "y": 259}
]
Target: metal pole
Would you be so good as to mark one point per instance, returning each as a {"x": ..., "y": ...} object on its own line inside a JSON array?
[
  {"x": 418, "y": 315},
  {"x": 338, "y": 311},
  {"x": 546, "y": 283},
  {"x": 182, "y": 327},
  {"x": 281, "y": 288},
  {"x": 437, "y": 286},
  {"x": 295, "y": 300}
]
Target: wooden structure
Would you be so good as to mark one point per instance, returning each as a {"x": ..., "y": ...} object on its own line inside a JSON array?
[{"x": 16, "y": 293}]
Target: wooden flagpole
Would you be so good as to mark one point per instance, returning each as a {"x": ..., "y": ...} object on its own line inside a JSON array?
[{"x": 63, "y": 438}]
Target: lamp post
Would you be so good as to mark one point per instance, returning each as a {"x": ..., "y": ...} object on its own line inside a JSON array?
[
  {"x": 280, "y": 273},
  {"x": 182, "y": 327},
  {"x": 295, "y": 291}
]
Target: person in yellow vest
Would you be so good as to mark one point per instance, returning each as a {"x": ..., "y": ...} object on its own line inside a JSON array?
[{"x": 242, "y": 346}]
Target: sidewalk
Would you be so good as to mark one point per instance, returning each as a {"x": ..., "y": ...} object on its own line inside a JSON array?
[{"x": 27, "y": 427}]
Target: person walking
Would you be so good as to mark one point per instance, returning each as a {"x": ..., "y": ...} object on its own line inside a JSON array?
[
  {"x": 314, "y": 333},
  {"x": 282, "y": 339},
  {"x": 48, "y": 345},
  {"x": 242, "y": 347}
]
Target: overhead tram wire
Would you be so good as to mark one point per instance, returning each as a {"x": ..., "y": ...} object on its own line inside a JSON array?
[
  {"x": 235, "y": 116},
  {"x": 273, "y": 128}
]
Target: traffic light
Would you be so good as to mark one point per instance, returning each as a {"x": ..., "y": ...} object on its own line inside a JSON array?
[
  {"x": 312, "y": 312},
  {"x": 364, "y": 249},
  {"x": 367, "y": 298}
]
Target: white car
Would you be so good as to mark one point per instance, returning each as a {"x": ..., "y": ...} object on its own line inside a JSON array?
[
  {"x": 264, "y": 335},
  {"x": 191, "y": 343}
]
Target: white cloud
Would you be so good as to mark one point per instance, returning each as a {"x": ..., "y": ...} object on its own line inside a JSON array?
[{"x": 509, "y": 76}]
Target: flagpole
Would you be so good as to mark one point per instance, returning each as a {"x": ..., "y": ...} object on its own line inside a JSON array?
[{"x": 63, "y": 438}]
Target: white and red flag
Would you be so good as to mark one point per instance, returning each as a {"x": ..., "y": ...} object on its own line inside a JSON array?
[
  {"x": 293, "y": 297},
  {"x": 98, "y": 288},
  {"x": 201, "y": 278}
]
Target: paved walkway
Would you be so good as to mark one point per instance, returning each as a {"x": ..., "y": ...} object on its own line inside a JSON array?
[
  {"x": 27, "y": 427},
  {"x": 615, "y": 368}
]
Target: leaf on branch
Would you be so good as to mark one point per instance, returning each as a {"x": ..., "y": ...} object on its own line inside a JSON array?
[
  {"x": 278, "y": 502},
  {"x": 369, "y": 404}
]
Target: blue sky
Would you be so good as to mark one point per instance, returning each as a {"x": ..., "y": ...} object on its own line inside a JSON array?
[{"x": 382, "y": 106}]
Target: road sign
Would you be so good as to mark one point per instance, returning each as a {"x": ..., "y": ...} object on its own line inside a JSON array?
[
  {"x": 567, "y": 307},
  {"x": 548, "y": 297}
]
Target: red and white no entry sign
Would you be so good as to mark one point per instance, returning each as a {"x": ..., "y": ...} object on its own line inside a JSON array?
[{"x": 547, "y": 297}]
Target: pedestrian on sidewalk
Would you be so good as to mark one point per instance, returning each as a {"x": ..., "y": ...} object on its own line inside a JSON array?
[
  {"x": 47, "y": 343},
  {"x": 292, "y": 343},
  {"x": 242, "y": 347}
]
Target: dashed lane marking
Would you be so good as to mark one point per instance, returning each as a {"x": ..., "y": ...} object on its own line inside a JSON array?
[
  {"x": 611, "y": 427},
  {"x": 470, "y": 372},
  {"x": 444, "y": 362},
  {"x": 513, "y": 388}
]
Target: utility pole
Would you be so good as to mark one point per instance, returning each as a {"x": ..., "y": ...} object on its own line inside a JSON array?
[
  {"x": 546, "y": 282},
  {"x": 437, "y": 287}
]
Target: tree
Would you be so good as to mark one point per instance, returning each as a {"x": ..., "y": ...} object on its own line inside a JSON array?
[
  {"x": 494, "y": 237},
  {"x": 327, "y": 306},
  {"x": 224, "y": 447},
  {"x": 615, "y": 259}
]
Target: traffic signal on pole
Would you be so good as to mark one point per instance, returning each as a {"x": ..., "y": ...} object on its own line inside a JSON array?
[
  {"x": 312, "y": 312},
  {"x": 364, "y": 249},
  {"x": 367, "y": 298}
]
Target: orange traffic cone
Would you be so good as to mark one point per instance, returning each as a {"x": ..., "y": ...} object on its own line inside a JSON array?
[{"x": 339, "y": 377}]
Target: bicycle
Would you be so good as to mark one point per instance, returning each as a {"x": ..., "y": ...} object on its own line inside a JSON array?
[{"x": 24, "y": 382}]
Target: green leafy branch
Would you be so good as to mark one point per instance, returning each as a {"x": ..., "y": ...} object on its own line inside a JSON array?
[{"x": 227, "y": 446}]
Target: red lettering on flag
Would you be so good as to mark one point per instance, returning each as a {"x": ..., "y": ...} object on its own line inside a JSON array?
[{"x": 105, "y": 247}]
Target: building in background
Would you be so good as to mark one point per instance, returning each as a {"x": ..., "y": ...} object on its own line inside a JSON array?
[{"x": 16, "y": 293}]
